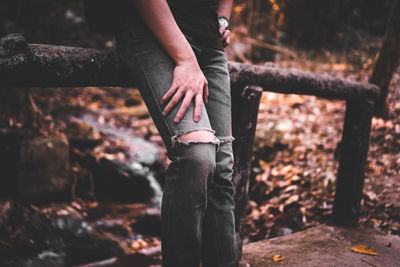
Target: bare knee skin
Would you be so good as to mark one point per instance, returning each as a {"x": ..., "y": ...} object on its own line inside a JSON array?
[{"x": 198, "y": 136}]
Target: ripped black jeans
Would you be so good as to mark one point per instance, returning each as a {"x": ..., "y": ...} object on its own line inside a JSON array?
[{"x": 197, "y": 206}]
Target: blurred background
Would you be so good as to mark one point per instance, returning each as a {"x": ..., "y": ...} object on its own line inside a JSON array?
[
  {"x": 305, "y": 24},
  {"x": 94, "y": 188}
]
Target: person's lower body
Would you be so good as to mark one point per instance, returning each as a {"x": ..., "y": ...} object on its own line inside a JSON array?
[{"x": 197, "y": 205}]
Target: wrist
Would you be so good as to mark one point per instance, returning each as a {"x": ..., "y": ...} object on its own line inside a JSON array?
[
  {"x": 185, "y": 55},
  {"x": 181, "y": 51},
  {"x": 188, "y": 58}
]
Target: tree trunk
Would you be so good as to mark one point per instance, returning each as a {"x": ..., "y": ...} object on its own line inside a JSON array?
[{"x": 388, "y": 57}]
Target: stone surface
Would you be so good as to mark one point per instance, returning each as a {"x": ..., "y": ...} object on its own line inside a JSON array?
[
  {"x": 52, "y": 236},
  {"x": 125, "y": 182},
  {"x": 44, "y": 169},
  {"x": 10, "y": 142},
  {"x": 79, "y": 129},
  {"x": 324, "y": 246}
]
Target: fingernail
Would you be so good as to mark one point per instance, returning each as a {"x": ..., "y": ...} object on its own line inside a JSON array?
[{"x": 196, "y": 118}]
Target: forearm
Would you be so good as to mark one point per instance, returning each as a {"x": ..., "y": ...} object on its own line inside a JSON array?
[
  {"x": 225, "y": 8},
  {"x": 158, "y": 17}
]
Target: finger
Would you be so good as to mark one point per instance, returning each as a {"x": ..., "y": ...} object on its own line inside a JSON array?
[
  {"x": 228, "y": 40},
  {"x": 171, "y": 91},
  {"x": 205, "y": 92},
  {"x": 225, "y": 35},
  {"x": 221, "y": 30},
  {"x": 174, "y": 100},
  {"x": 185, "y": 104},
  {"x": 198, "y": 103}
]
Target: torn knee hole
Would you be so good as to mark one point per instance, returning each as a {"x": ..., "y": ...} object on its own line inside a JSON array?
[
  {"x": 195, "y": 137},
  {"x": 198, "y": 136}
]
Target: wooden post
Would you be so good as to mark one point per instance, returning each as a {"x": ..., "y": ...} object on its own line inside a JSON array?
[
  {"x": 245, "y": 102},
  {"x": 388, "y": 58},
  {"x": 353, "y": 157}
]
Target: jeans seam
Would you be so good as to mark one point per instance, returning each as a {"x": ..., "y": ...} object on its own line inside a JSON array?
[
  {"x": 152, "y": 92},
  {"x": 170, "y": 211}
]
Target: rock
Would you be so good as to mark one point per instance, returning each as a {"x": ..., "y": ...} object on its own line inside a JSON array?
[
  {"x": 46, "y": 258},
  {"x": 79, "y": 129},
  {"x": 324, "y": 246},
  {"x": 92, "y": 246},
  {"x": 55, "y": 235},
  {"x": 149, "y": 223},
  {"x": 143, "y": 151},
  {"x": 140, "y": 150},
  {"x": 135, "y": 177},
  {"x": 44, "y": 173},
  {"x": 81, "y": 135},
  {"x": 10, "y": 142},
  {"x": 126, "y": 182}
]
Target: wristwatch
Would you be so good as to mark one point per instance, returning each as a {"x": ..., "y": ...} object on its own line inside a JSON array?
[{"x": 223, "y": 21}]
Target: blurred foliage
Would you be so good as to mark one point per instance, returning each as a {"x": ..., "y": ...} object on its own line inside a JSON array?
[
  {"x": 47, "y": 21},
  {"x": 312, "y": 23},
  {"x": 307, "y": 23}
]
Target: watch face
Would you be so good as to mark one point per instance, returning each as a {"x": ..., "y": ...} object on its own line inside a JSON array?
[{"x": 223, "y": 22}]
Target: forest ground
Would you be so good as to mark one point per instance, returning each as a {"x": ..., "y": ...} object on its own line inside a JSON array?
[{"x": 296, "y": 149}]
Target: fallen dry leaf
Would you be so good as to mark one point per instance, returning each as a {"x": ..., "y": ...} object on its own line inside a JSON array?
[
  {"x": 278, "y": 258},
  {"x": 363, "y": 249}
]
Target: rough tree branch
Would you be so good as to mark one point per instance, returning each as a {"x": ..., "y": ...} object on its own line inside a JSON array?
[{"x": 42, "y": 65}]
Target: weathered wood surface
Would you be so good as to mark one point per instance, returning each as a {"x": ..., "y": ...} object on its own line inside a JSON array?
[
  {"x": 388, "y": 58},
  {"x": 292, "y": 81},
  {"x": 245, "y": 103},
  {"x": 31, "y": 65},
  {"x": 41, "y": 65},
  {"x": 353, "y": 158}
]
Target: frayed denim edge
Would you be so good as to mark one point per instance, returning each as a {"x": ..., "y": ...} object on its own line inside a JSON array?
[
  {"x": 226, "y": 139},
  {"x": 176, "y": 140}
]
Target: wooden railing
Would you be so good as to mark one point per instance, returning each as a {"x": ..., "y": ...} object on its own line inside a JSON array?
[{"x": 39, "y": 65}]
